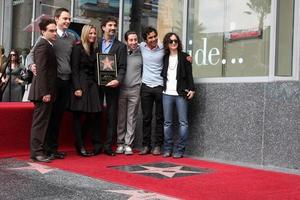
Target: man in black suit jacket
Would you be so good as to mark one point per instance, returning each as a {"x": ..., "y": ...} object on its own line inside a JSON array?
[
  {"x": 42, "y": 90},
  {"x": 109, "y": 44}
]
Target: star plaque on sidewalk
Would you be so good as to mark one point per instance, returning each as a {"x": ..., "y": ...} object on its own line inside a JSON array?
[{"x": 162, "y": 170}]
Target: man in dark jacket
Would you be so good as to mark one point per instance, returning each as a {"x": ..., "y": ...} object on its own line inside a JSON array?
[
  {"x": 109, "y": 44},
  {"x": 42, "y": 92}
]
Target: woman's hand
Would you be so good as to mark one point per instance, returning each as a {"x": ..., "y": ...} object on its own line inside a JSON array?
[
  {"x": 4, "y": 80},
  {"x": 19, "y": 81},
  {"x": 190, "y": 94},
  {"x": 78, "y": 93}
]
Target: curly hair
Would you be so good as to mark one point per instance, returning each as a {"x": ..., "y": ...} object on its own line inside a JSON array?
[
  {"x": 166, "y": 42},
  {"x": 147, "y": 31}
]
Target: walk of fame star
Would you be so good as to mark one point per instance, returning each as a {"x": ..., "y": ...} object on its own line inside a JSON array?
[
  {"x": 34, "y": 166},
  {"x": 168, "y": 172},
  {"x": 162, "y": 170},
  {"x": 141, "y": 194}
]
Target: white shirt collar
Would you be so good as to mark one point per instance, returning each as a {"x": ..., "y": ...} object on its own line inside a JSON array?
[{"x": 60, "y": 32}]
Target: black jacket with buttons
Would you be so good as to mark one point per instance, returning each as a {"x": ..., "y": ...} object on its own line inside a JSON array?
[{"x": 184, "y": 74}]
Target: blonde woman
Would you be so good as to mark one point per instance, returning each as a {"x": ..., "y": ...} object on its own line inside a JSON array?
[{"x": 85, "y": 96}]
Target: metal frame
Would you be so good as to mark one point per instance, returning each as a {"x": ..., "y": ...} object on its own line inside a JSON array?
[{"x": 185, "y": 23}]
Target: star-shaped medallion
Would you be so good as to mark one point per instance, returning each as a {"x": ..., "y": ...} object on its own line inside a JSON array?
[
  {"x": 168, "y": 172},
  {"x": 107, "y": 64},
  {"x": 162, "y": 170}
]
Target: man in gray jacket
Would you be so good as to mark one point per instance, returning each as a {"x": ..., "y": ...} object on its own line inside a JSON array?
[{"x": 129, "y": 95}]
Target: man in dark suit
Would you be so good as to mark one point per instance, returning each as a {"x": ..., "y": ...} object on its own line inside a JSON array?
[
  {"x": 109, "y": 44},
  {"x": 42, "y": 91},
  {"x": 63, "y": 49}
]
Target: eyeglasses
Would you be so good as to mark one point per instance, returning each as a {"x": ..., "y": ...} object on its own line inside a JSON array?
[{"x": 173, "y": 41}]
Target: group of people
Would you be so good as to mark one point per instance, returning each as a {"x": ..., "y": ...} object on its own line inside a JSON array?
[{"x": 65, "y": 76}]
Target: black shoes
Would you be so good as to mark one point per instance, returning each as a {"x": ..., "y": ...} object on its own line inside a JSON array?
[
  {"x": 40, "y": 159},
  {"x": 97, "y": 151},
  {"x": 109, "y": 152},
  {"x": 57, "y": 155},
  {"x": 82, "y": 152}
]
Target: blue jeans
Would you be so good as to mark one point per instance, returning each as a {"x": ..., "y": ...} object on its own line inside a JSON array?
[{"x": 182, "y": 108}]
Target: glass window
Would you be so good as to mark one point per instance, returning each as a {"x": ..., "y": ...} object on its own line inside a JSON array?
[
  {"x": 284, "y": 40},
  {"x": 229, "y": 38},
  {"x": 92, "y": 11},
  {"x": 21, "y": 36},
  {"x": 164, "y": 15}
]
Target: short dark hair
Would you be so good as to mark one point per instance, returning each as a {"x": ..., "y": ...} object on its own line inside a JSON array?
[
  {"x": 44, "y": 23},
  {"x": 58, "y": 11},
  {"x": 147, "y": 31},
  {"x": 108, "y": 19},
  {"x": 129, "y": 33},
  {"x": 167, "y": 40}
]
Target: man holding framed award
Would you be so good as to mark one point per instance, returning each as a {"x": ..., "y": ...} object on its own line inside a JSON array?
[{"x": 111, "y": 68}]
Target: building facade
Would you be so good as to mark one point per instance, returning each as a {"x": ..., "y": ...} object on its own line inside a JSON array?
[{"x": 246, "y": 60}]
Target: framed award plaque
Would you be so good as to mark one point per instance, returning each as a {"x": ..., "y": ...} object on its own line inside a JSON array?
[{"x": 106, "y": 68}]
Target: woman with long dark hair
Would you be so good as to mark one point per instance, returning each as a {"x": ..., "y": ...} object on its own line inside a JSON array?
[
  {"x": 12, "y": 78},
  {"x": 178, "y": 90}
]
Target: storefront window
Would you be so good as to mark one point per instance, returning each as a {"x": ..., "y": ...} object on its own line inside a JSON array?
[
  {"x": 164, "y": 15},
  {"x": 229, "y": 38},
  {"x": 284, "y": 40},
  {"x": 92, "y": 11}
]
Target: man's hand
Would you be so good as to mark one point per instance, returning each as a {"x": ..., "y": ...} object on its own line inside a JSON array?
[
  {"x": 47, "y": 98},
  {"x": 113, "y": 83},
  {"x": 33, "y": 68},
  {"x": 78, "y": 93},
  {"x": 190, "y": 94}
]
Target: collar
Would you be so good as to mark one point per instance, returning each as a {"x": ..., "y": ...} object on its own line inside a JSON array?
[
  {"x": 47, "y": 40},
  {"x": 61, "y": 32},
  {"x": 159, "y": 46},
  {"x": 110, "y": 40}
]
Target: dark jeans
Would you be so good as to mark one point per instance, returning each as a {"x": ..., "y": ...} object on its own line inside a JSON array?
[
  {"x": 112, "y": 96},
  {"x": 63, "y": 91},
  {"x": 149, "y": 97},
  {"x": 182, "y": 108}
]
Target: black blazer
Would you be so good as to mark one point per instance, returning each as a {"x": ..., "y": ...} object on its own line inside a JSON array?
[
  {"x": 120, "y": 50},
  {"x": 184, "y": 74},
  {"x": 44, "y": 82}
]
